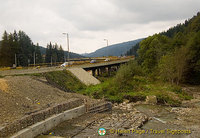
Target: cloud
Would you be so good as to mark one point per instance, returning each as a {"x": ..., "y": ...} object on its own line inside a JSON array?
[{"x": 90, "y": 21}]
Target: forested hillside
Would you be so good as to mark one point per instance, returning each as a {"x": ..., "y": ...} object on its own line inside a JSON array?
[
  {"x": 173, "y": 55},
  {"x": 71, "y": 54},
  {"x": 133, "y": 50},
  {"x": 114, "y": 50},
  {"x": 17, "y": 47}
]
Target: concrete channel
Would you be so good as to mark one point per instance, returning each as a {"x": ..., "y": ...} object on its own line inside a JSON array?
[{"x": 51, "y": 122}]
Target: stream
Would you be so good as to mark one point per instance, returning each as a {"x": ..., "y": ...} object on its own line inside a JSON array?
[{"x": 162, "y": 122}]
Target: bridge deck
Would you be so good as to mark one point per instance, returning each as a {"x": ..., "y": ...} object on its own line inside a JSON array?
[{"x": 49, "y": 69}]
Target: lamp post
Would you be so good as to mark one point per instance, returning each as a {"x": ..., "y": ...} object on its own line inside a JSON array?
[
  {"x": 106, "y": 41},
  {"x": 107, "y": 44},
  {"x": 67, "y": 45}
]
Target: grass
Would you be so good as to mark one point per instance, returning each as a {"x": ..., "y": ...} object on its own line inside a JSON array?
[
  {"x": 129, "y": 83},
  {"x": 137, "y": 90},
  {"x": 33, "y": 74},
  {"x": 64, "y": 80}
]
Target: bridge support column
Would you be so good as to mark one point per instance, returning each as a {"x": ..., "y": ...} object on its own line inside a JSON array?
[
  {"x": 117, "y": 67},
  {"x": 98, "y": 71},
  {"x": 93, "y": 72},
  {"x": 109, "y": 70},
  {"x": 102, "y": 70}
]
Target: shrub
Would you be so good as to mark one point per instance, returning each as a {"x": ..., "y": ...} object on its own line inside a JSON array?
[{"x": 127, "y": 72}]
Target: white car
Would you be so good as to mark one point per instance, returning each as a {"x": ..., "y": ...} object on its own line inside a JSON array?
[
  {"x": 107, "y": 59},
  {"x": 66, "y": 63},
  {"x": 93, "y": 61}
]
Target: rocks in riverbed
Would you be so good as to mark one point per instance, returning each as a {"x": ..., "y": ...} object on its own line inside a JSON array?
[{"x": 151, "y": 99}]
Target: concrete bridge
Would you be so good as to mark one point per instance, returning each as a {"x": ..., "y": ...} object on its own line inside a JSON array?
[
  {"x": 99, "y": 67},
  {"x": 81, "y": 72}
]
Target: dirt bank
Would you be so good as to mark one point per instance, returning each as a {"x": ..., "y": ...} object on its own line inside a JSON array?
[{"x": 21, "y": 95}]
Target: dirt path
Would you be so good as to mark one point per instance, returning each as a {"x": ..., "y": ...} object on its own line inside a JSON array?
[{"x": 20, "y": 95}]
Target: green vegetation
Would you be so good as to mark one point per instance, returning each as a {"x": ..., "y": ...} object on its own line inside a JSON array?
[
  {"x": 133, "y": 50},
  {"x": 130, "y": 83},
  {"x": 33, "y": 74},
  {"x": 173, "y": 56},
  {"x": 18, "y": 45},
  {"x": 64, "y": 80},
  {"x": 54, "y": 53},
  {"x": 164, "y": 61}
]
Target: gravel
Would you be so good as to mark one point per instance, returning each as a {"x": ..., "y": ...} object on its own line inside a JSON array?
[{"x": 20, "y": 95}]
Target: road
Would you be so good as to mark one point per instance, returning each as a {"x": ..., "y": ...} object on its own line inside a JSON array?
[{"x": 57, "y": 68}]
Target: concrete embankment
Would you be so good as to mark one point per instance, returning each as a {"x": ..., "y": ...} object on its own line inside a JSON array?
[
  {"x": 49, "y": 123},
  {"x": 84, "y": 76},
  {"x": 45, "y": 125},
  {"x": 34, "y": 118}
]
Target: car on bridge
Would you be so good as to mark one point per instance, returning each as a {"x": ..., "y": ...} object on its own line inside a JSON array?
[
  {"x": 66, "y": 64},
  {"x": 93, "y": 61},
  {"x": 107, "y": 59}
]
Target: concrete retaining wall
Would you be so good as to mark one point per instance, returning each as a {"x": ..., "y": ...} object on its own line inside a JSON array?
[
  {"x": 42, "y": 121},
  {"x": 36, "y": 117},
  {"x": 49, "y": 123}
]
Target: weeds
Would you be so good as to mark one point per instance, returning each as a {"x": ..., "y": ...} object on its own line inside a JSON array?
[{"x": 129, "y": 83}]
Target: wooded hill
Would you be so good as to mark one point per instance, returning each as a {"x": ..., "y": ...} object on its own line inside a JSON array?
[
  {"x": 173, "y": 55},
  {"x": 18, "y": 47}
]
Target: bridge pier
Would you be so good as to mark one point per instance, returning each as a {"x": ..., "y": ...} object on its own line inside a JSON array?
[
  {"x": 98, "y": 71},
  {"x": 109, "y": 70},
  {"x": 102, "y": 70},
  {"x": 93, "y": 72}
]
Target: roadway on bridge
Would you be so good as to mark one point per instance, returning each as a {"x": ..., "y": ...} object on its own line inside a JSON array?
[{"x": 58, "y": 68}]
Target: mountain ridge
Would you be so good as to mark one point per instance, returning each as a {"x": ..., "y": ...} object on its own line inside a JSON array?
[{"x": 114, "y": 50}]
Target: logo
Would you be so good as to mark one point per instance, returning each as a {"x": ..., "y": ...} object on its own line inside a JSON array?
[{"x": 102, "y": 131}]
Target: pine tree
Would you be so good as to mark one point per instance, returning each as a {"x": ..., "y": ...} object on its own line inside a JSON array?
[
  {"x": 5, "y": 54},
  {"x": 38, "y": 55}
]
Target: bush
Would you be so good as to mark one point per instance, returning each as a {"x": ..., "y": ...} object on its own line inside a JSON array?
[{"x": 127, "y": 72}]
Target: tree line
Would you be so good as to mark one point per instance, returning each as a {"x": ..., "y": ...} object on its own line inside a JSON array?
[
  {"x": 174, "y": 55},
  {"x": 54, "y": 53},
  {"x": 17, "y": 48}
]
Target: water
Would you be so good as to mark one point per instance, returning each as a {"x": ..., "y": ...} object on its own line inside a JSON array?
[{"x": 160, "y": 118}]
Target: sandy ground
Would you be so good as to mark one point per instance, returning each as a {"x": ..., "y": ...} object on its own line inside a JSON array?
[{"x": 20, "y": 95}]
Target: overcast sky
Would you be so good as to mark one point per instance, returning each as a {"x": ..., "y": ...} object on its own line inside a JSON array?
[{"x": 89, "y": 22}]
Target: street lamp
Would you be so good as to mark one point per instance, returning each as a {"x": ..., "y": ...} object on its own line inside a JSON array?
[
  {"x": 67, "y": 45},
  {"x": 107, "y": 44},
  {"x": 106, "y": 41}
]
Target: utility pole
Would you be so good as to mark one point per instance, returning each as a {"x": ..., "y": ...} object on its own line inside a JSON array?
[
  {"x": 106, "y": 41},
  {"x": 107, "y": 45},
  {"x": 34, "y": 58},
  {"x": 51, "y": 60},
  {"x": 16, "y": 60},
  {"x": 67, "y": 45}
]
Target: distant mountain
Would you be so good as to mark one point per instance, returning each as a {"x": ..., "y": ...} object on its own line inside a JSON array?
[
  {"x": 71, "y": 54},
  {"x": 113, "y": 50}
]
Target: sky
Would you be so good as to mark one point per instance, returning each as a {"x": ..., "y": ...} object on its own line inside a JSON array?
[{"x": 89, "y": 22}]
